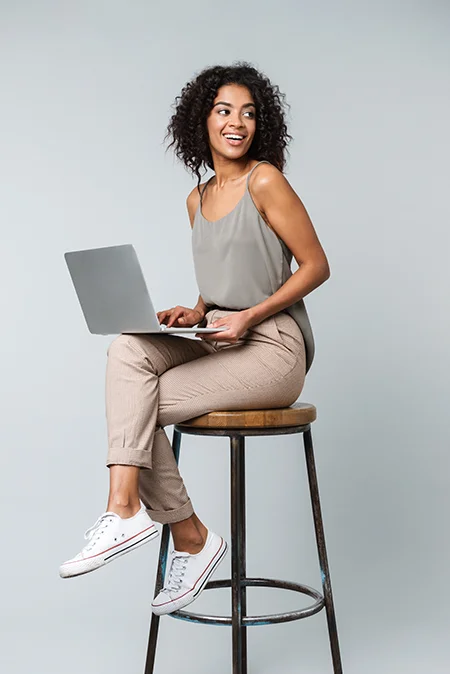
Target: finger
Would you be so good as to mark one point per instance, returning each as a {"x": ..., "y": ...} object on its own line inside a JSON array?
[
  {"x": 162, "y": 315},
  {"x": 168, "y": 316},
  {"x": 174, "y": 317},
  {"x": 219, "y": 322},
  {"x": 221, "y": 325}
]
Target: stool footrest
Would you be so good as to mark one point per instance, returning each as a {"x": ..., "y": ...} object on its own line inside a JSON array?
[{"x": 262, "y": 619}]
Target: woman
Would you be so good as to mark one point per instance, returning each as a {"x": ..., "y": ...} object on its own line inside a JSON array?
[{"x": 247, "y": 222}]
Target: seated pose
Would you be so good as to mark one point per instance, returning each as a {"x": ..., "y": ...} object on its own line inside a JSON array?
[{"x": 247, "y": 222}]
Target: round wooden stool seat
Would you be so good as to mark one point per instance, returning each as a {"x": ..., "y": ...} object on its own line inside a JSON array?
[{"x": 298, "y": 414}]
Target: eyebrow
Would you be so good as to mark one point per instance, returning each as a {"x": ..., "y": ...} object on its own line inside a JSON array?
[{"x": 246, "y": 105}]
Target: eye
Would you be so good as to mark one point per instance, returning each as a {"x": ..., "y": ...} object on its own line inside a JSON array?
[
  {"x": 224, "y": 110},
  {"x": 252, "y": 114}
]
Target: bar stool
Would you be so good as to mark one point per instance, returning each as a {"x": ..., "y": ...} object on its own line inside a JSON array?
[{"x": 237, "y": 425}]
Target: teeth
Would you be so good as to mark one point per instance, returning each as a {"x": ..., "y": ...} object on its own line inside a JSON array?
[{"x": 234, "y": 137}]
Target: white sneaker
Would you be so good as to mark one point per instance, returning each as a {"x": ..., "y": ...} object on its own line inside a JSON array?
[
  {"x": 188, "y": 575},
  {"x": 110, "y": 537}
]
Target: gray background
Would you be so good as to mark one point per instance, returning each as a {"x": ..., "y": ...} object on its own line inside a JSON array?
[{"x": 86, "y": 90}]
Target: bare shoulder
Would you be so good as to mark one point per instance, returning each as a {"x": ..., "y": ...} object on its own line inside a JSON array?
[
  {"x": 285, "y": 213},
  {"x": 267, "y": 178},
  {"x": 266, "y": 183},
  {"x": 192, "y": 202}
]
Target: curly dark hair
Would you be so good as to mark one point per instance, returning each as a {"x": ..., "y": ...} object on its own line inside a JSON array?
[{"x": 187, "y": 126}]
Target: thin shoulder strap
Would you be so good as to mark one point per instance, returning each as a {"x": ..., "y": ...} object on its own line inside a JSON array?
[
  {"x": 204, "y": 188},
  {"x": 263, "y": 161}
]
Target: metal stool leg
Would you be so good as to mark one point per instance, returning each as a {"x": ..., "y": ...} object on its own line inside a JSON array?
[
  {"x": 154, "y": 624},
  {"x": 238, "y": 561},
  {"x": 321, "y": 548},
  {"x": 243, "y": 554},
  {"x": 161, "y": 572}
]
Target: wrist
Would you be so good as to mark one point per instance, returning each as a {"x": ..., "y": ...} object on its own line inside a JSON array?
[
  {"x": 200, "y": 311},
  {"x": 252, "y": 316}
]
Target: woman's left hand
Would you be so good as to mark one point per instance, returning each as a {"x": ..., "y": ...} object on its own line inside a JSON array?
[{"x": 237, "y": 324}]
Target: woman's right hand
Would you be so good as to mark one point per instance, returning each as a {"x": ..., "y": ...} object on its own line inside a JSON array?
[{"x": 180, "y": 317}]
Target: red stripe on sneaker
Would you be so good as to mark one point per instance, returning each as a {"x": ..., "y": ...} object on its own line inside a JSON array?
[
  {"x": 77, "y": 561},
  {"x": 202, "y": 574}
]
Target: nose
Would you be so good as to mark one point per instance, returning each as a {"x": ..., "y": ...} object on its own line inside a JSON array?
[{"x": 235, "y": 121}]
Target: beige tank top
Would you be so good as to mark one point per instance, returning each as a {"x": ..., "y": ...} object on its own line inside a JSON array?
[{"x": 239, "y": 262}]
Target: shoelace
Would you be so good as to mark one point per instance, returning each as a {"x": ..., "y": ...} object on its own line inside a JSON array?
[
  {"x": 176, "y": 572},
  {"x": 94, "y": 532}
]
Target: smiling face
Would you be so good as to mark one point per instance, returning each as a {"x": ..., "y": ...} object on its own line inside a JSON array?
[{"x": 231, "y": 123}]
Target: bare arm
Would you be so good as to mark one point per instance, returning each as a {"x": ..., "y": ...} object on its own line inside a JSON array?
[{"x": 286, "y": 215}]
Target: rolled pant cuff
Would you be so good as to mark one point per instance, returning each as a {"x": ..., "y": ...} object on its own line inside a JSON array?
[
  {"x": 172, "y": 516},
  {"x": 127, "y": 456}
]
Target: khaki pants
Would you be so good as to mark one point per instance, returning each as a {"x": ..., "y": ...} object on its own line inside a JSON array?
[{"x": 156, "y": 380}]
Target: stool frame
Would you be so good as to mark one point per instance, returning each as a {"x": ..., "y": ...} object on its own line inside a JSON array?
[{"x": 239, "y": 620}]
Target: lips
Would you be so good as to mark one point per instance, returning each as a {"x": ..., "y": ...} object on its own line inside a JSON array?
[{"x": 231, "y": 141}]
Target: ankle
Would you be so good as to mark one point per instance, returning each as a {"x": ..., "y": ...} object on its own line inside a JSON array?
[
  {"x": 188, "y": 545},
  {"x": 202, "y": 530},
  {"x": 186, "y": 537},
  {"x": 123, "y": 505}
]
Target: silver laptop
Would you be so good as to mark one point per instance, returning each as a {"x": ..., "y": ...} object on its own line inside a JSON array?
[{"x": 113, "y": 294}]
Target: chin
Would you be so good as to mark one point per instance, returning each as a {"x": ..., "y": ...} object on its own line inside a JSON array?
[{"x": 232, "y": 154}]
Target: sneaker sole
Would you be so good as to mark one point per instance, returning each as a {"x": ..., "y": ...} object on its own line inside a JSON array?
[
  {"x": 88, "y": 565},
  {"x": 178, "y": 604}
]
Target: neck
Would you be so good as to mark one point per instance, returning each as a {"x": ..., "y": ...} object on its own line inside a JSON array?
[{"x": 230, "y": 170}]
